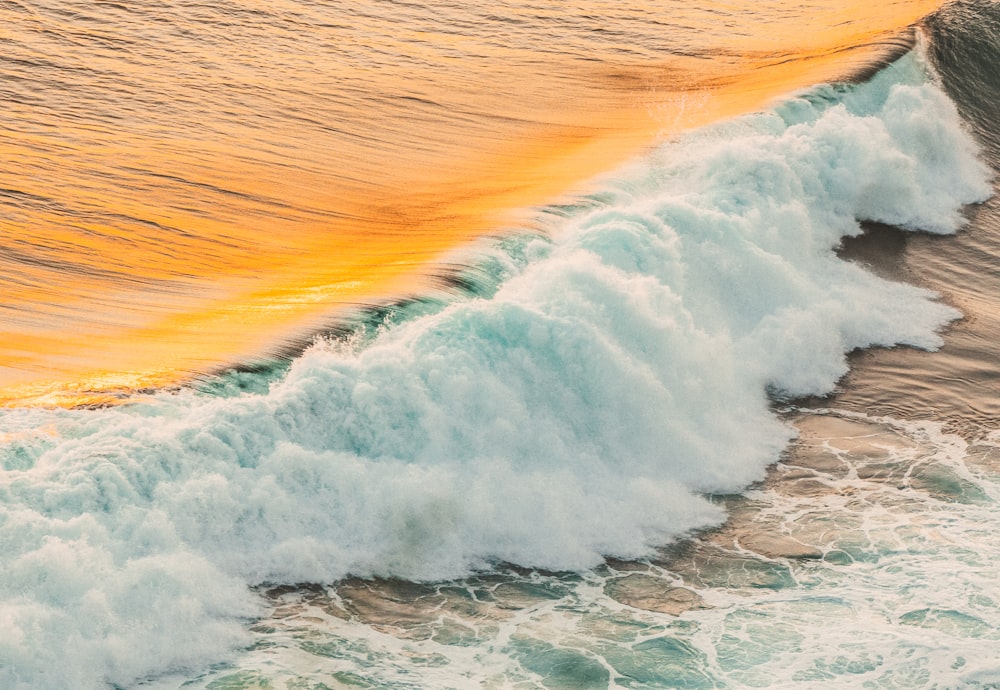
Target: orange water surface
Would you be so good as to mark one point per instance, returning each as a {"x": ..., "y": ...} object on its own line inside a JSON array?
[{"x": 187, "y": 186}]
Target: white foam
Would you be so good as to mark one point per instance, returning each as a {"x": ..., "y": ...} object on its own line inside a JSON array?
[{"x": 579, "y": 412}]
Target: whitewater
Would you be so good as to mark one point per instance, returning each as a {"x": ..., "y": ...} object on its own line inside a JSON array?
[{"x": 593, "y": 397}]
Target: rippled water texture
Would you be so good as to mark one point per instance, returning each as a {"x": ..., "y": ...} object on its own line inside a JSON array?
[{"x": 187, "y": 185}]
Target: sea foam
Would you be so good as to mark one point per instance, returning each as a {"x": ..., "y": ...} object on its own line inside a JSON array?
[{"x": 618, "y": 375}]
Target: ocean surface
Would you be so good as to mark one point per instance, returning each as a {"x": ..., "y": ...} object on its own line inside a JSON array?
[{"x": 421, "y": 345}]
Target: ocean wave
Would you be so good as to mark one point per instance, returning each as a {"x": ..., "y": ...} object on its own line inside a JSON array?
[{"x": 589, "y": 407}]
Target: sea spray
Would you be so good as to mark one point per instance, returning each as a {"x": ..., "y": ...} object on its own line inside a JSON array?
[{"x": 583, "y": 410}]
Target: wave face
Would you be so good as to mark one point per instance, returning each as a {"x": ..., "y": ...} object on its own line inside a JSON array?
[
  {"x": 189, "y": 186},
  {"x": 615, "y": 378},
  {"x": 966, "y": 50}
]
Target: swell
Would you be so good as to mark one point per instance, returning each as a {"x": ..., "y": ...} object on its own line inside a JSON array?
[
  {"x": 965, "y": 48},
  {"x": 292, "y": 166}
]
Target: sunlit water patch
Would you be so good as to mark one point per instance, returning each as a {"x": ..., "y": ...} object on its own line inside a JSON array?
[{"x": 187, "y": 186}]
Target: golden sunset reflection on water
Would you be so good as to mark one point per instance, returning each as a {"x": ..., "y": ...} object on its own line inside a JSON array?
[{"x": 188, "y": 186}]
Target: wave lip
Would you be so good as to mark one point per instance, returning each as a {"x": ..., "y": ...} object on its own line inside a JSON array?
[{"x": 584, "y": 410}]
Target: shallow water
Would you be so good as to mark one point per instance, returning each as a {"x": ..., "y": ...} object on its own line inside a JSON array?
[{"x": 866, "y": 559}]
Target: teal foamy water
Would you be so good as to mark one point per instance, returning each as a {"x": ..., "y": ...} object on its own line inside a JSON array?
[{"x": 866, "y": 561}]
